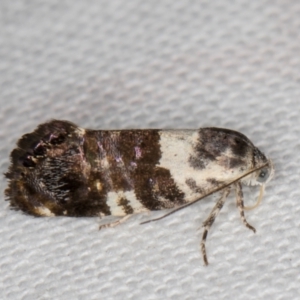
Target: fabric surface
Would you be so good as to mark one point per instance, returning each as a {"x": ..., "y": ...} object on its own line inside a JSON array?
[{"x": 155, "y": 64}]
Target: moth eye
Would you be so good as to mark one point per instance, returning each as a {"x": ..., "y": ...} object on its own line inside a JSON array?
[{"x": 263, "y": 175}]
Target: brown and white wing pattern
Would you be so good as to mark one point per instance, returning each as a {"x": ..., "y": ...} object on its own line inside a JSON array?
[{"x": 61, "y": 169}]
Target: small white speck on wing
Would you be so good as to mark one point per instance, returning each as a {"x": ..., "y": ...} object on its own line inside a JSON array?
[
  {"x": 44, "y": 211},
  {"x": 80, "y": 131}
]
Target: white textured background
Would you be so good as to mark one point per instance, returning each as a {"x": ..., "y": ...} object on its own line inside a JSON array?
[{"x": 164, "y": 64}]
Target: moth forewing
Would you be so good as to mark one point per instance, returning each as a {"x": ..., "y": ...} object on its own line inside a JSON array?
[{"x": 61, "y": 169}]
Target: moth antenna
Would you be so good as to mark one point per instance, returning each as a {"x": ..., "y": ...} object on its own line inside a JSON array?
[
  {"x": 259, "y": 198},
  {"x": 210, "y": 193}
]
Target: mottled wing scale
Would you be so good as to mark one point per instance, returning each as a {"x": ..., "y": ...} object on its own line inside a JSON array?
[{"x": 63, "y": 170}]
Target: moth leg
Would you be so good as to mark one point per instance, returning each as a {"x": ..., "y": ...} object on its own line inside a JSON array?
[
  {"x": 115, "y": 223},
  {"x": 210, "y": 220},
  {"x": 240, "y": 204}
]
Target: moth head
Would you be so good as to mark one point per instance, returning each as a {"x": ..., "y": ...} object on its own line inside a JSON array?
[{"x": 260, "y": 177}]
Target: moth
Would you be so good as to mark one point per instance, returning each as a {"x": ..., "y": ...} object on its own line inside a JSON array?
[{"x": 61, "y": 169}]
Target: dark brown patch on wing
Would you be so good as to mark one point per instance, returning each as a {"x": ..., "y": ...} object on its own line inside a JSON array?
[
  {"x": 214, "y": 143},
  {"x": 238, "y": 143},
  {"x": 215, "y": 182},
  {"x": 258, "y": 157},
  {"x": 191, "y": 183},
  {"x": 126, "y": 205},
  {"x": 197, "y": 162},
  {"x": 167, "y": 188},
  {"x": 110, "y": 147},
  {"x": 235, "y": 162},
  {"x": 88, "y": 197},
  {"x": 140, "y": 151}
]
